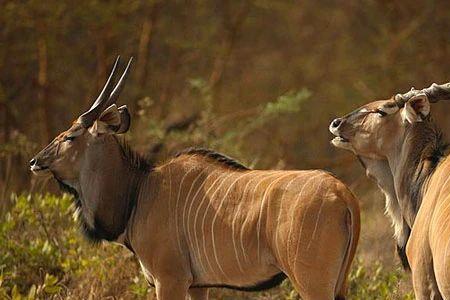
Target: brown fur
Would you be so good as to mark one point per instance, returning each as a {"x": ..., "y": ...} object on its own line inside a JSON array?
[
  {"x": 204, "y": 220},
  {"x": 219, "y": 192},
  {"x": 405, "y": 155}
]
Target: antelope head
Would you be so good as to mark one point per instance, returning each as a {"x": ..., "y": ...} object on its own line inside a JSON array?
[
  {"x": 373, "y": 129},
  {"x": 390, "y": 138},
  {"x": 65, "y": 155}
]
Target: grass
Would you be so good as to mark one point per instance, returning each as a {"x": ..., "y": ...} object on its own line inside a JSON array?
[{"x": 43, "y": 256}]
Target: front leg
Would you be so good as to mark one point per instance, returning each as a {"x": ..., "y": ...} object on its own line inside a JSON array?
[
  {"x": 171, "y": 289},
  {"x": 424, "y": 281},
  {"x": 420, "y": 259},
  {"x": 198, "y": 293},
  {"x": 169, "y": 271}
]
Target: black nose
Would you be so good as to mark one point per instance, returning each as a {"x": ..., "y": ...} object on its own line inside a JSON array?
[
  {"x": 336, "y": 123},
  {"x": 32, "y": 162}
]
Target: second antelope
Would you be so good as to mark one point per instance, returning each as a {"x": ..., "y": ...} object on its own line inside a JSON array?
[
  {"x": 401, "y": 148},
  {"x": 201, "y": 219}
]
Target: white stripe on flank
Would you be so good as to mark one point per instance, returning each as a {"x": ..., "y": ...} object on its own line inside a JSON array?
[
  {"x": 197, "y": 244},
  {"x": 211, "y": 199},
  {"x": 215, "y": 218},
  {"x": 266, "y": 192},
  {"x": 439, "y": 197},
  {"x": 176, "y": 208},
  {"x": 315, "y": 226},
  {"x": 280, "y": 210},
  {"x": 441, "y": 226},
  {"x": 294, "y": 211},
  {"x": 441, "y": 212},
  {"x": 186, "y": 201},
  {"x": 253, "y": 195},
  {"x": 445, "y": 259},
  {"x": 303, "y": 220},
  {"x": 196, "y": 247},
  {"x": 233, "y": 223}
]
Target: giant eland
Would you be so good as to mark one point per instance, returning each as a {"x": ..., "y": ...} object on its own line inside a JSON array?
[
  {"x": 402, "y": 149},
  {"x": 201, "y": 219}
]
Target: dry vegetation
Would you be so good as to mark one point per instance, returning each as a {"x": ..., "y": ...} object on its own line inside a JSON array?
[{"x": 258, "y": 80}]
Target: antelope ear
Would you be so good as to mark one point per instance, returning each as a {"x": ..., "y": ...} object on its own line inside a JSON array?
[
  {"x": 109, "y": 121},
  {"x": 125, "y": 119},
  {"x": 416, "y": 109}
]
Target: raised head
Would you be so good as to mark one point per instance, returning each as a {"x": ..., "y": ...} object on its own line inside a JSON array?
[
  {"x": 64, "y": 156},
  {"x": 399, "y": 147},
  {"x": 374, "y": 129}
]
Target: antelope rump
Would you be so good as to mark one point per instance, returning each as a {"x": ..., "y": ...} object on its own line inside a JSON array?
[
  {"x": 402, "y": 149},
  {"x": 202, "y": 219}
]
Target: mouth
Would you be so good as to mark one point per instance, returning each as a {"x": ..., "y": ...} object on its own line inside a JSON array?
[
  {"x": 340, "y": 139},
  {"x": 39, "y": 169},
  {"x": 342, "y": 142}
]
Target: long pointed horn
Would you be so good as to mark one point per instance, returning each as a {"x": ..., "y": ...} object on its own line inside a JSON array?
[
  {"x": 88, "y": 118},
  {"x": 434, "y": 94},
  {"x": 119, "y": 86}
]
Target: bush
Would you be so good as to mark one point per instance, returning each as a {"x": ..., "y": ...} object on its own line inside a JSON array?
[
  {"x": 44, "y": 255},
  {"x": 375, "y": 283}
]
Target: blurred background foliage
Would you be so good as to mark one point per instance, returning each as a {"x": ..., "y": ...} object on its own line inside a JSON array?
[{"x": 258, "y": 80}]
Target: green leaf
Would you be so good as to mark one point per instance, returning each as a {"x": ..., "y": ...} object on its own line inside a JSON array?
[
  {"x": 32, "y": 293},
  {"x": 15, "y": 294}
]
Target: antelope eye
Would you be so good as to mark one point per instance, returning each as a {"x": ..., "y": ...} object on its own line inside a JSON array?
[
  {"x": 70, "y": 138},
  {"x": 381, "y": 112}
]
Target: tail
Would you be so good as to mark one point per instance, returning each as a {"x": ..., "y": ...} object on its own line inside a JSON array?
[{"x": 353, "y": 227}]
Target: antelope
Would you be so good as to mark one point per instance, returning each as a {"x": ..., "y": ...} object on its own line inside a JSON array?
[
  {"x": 401, "y": 148},
  {"x": 202, "y": 219}
]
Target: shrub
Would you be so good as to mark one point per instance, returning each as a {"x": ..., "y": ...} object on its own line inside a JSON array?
[
  {"x": 44, "y": 256},
  {"x": 375, "y": 282}
]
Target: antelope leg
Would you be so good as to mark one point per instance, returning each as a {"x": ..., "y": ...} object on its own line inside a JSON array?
[
  {"x": 424, "y": 283},
  {"x": 421, "y": 262},
  {"x": 171, "y": 289}
]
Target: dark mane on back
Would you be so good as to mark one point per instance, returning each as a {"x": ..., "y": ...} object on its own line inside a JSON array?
[
  {"x": 426, "y": 149},
  {"x": 216, "y": 156},
  {"x": 136, "y": 160},
  {"x": 423, "y": 150}
]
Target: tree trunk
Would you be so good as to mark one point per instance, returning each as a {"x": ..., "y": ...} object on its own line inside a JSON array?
[
  {"x": 231, "y": 28},
  {"x": 43, "y": 88},
  {"x": 148, "y": 25}
]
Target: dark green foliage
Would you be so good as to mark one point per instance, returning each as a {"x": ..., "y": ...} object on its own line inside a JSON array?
[{"x": 44, "y": 255}]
